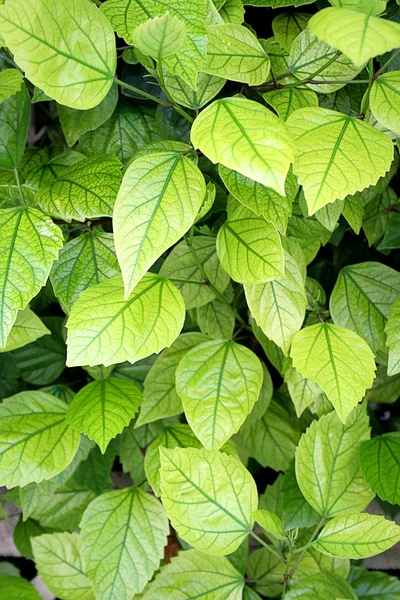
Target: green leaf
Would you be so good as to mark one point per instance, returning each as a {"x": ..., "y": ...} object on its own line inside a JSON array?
[
  {"x": 287, "y": 26},
  {"x": 286, "y": 101},
  {"x": 219, "y": 383},
  {"x": 232, "y": 11},
  {"x": 160, "y": 37},
  {"x": 303, "y": 392},
  {"x": 235, "y": 53},
  {"x": 10, "y": 83},
  {"x": 326, "y": 585},
  {"x": 23, "y": 533},
  {"x": 26, "y": 329},
  {"x": 14, "y": 125},
  {"x": 359, "y": 36},
  {"x": 250, "y": 248},
  {"x": 246, "y": 149},
  {"x": 29, "y": 243},
  {"x": 308, "y": 232},
  {"x": 315, "y": 563},
  {"x": 391, "y": 239},
  {"x": 36, "y": 443},
  {"x": 44, "y": 166},
  {"x": 103, "y": 408},
  {"x": 357, "y": 535},
  {"x": 273, "y": 438},
  {"x": 279, "y": 306},
  {"x": 266, "y": 569},
  {"x": 334, "y": 485},
  {"x": 57, "y": 559},
  {"x": 209, "y": 498},
  {"x": 76, "y": 123},
  {"x": 369, "y": 7},
  {"x": 270, "y": 523},
  {"x": 384, "y": 100},
  {"x": 104, "y": 328},
  {"x": 296, "y": 511},
  {"x": 157, "y": 203},
  {"x": 216, "y": 319},
  {"x": 392, "y": 330},
  {"x": 373, "y": 585},
  {"x": 338, "y": 360},
  {"x": 336, "y": 155},
  {"x": 361, "y": 301},
  {"x": 133, "y": 527},
  {"x": 16, "y": 588},
  {"x": 207, "y": 87},
  {"x": 84, "y": 261},
  {"x": 353, "y": 212},
  {"x": 160, "y": 399},
  {"x": 183, "y": 269},
  {"x": 385, "y": 389},
  {"x": 193, "y": 574},
  {"x": 85, "y": 191},
  {"x": 381, "y": 466},
  {"x": 376, "y": 214},
  {"x": 74, "y": 64}
]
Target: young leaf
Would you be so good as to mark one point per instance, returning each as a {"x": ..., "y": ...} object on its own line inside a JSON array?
[
  {"x": 104, "y": 328},
  {"x": 160, "y": 399},
  {"x": 361, "y": 301},
  {"x": 57, "y": 559},
  {"x": 160, "y": 37},
  {"x": 26, "y": 329},
  {"x": 36, "y": 443},
  {"x": 209, "y": 498},
  {"x": 381, "y": 466},
  {"x": 103, "y": 408},
  {"x": 392, "y": 331},
  {"x": 75, "y": 63},
  {"x": 279, "y": 306},
  {"x": 357, "y": 535},
  {"x": 193, "y": 574},
  {"x": 218, "y": 382},
  {"x": 29, "y": 243},
  {"x": 235, "y": 53},
  {"x": 338, "y": 360},
  {"x": 336, "y": 155},
  {"x": 384, "y": 100},
  {"x": 85, "y": 191},
  {"x": 134, "y": 528},
  {"x": 358, "y": 35},
  {"x": 232, "y": 132},
  {"x": 14, "y": 125},
  {"x": 10, "y": 83},
  {"x": 158, "y": 201},
  {"x": 271, "y": 523},
  {"x": 335, "y": 481},
  {"x": 250, "y": 248}
]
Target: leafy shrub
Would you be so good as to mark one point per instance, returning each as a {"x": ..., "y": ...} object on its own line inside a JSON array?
[{"x": 199, "y": 285}]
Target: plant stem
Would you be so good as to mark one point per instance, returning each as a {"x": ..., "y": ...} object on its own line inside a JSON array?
[
  {"x": 132, "y": 88},
  {"x": 21, "y": 195},
  {"x": 386, "y": 64},
  {"x": 268, "y": 547},
  {"x": 178, "y": 108},
  {"x": 365, "y": 100},
  {"x": 304, "y": 549}
]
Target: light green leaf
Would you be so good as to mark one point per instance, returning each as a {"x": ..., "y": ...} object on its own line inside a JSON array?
[
  {"x": 29, "y": 243},
  {"x": 279, "y": 306},
  {"x": 232, "y": 11},
  {"x": 359, "y": 36},
  {"x": 16, "y": 588},
  {"x": 357, "y": 535},
  {"x": 373, "y": 585},
  {"x": 184, "y": 270},
  {"x": 57, "y": 559},
  {"x": 261, "y": 200},
  {"x": 216, "y": 319},
  {"x": 35, "y": 441},
  {"x": 392, "y": 331},
  {"x": 309, "y": 55},
  {"x": 232, "y": 131},
  {"x": 250, "y": 248},
  {"x": 193, "y": 574},
  {"x": 287, "y": 26},
  {"x": 384, "y": 100},
  {"x": 369, "y": 7},
  {"x": 286, "y": 101},
  {"x": 295, "y": 510},
  {"x": 76, "y": 123},
  {"x": 26, "y": 329},
  {"x": 315, "y": 563},
  {"x": 160, "y": 37},
  {"x": 103, "y": 408},
  {"x": 322, "y": 585},
  {"x": 273, "y": 438},
  {"x": 84, "y": 261},
  {"x": 235, "y": 53},
  {"x": 338, "y": 360},
  {"x": 303, "y": 392},
  {"x": 361, "y": 301},
  {"x": 45, "y": 165},
  {"x": 160, "y": 399},
  {"x": 148, "y": 321},
  {"x": 267, "y": 570},
  {"x": 133, "y": 527},
  {"x": 209, "y": 498},
  {"x": 270, "y": 523},
  {"x": 14, "y": 125},
  {"x": 158, "y": 201},
  {"x": 336, "y": 155},
  {"x": 334, "y": 485},
  {"x": 85, "y": 191},
  {"x": 75, "y": 63},
  {"x": 207, "y": 87},
  {"x": 353, "y": 212},
  {"x": 10, "y": 83},
  {"x": 380, "y": 464},
  {"x": 219, "y": 383}
]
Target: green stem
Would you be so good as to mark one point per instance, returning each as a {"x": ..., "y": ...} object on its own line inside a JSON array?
[
  {"x": 386, "y": 64},
  {"x": 268, "y": 547},
  {"x": 132, "y": 88},
  {"x": 23, "y": 203},
  {"x": 304, "y": 549},
  {"x": 365, "y": 100}
]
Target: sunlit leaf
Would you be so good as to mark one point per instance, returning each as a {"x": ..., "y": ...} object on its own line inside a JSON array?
[
  {"x": 160, "y": 37},
  {"x": 392, "y": 331},
  {"x": 26, "y": 329},
  {"x": 380, "y": 464}
]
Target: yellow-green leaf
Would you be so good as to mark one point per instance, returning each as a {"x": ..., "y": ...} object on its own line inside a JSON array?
[
  {"x": 160, "y": 37},
  {"x": 385, "y": 100},
  {"x": 10, "y": 83},
  {"x": 392, "y": 331},
  {"x": 26, "y": 329}
]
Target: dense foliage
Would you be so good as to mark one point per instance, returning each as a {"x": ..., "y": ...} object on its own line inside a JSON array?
[{"x": 200, "y": 297}]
